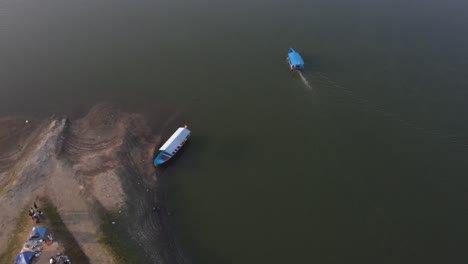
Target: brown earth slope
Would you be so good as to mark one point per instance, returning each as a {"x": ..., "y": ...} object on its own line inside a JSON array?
[{"x": 97, "y": 171}]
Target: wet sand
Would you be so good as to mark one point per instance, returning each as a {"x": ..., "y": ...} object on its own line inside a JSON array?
[{"x": 96, "y": 170}]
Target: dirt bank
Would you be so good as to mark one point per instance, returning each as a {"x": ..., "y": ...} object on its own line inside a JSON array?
[{"x": 97, "y": 171}]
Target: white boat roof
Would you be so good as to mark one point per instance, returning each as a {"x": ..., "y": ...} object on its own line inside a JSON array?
[{"x": 174, "y": 141}]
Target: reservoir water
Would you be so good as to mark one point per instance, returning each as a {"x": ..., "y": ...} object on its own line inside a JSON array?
[{"x": 365, "y": 164}]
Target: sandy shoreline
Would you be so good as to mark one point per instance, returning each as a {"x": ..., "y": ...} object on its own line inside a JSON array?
[{"x": 95, "y": 170}]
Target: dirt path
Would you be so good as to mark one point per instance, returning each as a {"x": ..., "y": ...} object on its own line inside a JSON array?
[{"x": 100, "y": 161}]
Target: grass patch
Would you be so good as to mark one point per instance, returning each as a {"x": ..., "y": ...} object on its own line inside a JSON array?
[
  {"x": 7, "y": 188},
  {"x": 57, "y": 228},
  {"x": 11, "y": 180},
  {"x": 115, "y": 238},
  {"x": 12, "y": 177},
  {"x": 16, "y": 241}
]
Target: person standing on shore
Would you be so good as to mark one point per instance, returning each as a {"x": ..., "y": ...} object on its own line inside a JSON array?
[
  {"x": 36, "y": 217},
  {"x": 31, "y": 212}
]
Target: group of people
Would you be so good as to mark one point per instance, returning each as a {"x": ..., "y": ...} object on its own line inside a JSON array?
[
  {"x": 35, "y": 213},
  {"x": 59, "y": 259}
]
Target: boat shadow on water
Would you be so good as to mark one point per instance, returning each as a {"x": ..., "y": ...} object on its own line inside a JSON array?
[{"x": 311, "y": 66}]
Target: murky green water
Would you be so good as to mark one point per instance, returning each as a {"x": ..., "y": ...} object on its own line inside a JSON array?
[{"x": 367, "y": 166}]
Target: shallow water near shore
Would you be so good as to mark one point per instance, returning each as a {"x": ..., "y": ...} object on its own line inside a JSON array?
[{"x": 369, "y": 166}]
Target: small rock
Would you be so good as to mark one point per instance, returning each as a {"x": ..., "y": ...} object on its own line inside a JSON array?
[
  {"x": 113, "y": 223},
  {"x": 27, "y": 121}
]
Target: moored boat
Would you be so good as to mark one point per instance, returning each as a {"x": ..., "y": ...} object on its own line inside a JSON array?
[
  {"x": 295, "y": 60},
  {"x": 172, "y": 145}
]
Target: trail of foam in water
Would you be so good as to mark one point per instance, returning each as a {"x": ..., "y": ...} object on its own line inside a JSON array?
[
  {"x": 366, "y": 104},
  {"x": 304, "y": 80}
]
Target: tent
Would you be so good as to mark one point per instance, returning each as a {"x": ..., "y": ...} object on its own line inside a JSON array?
[
  {"x": 25, "y": 257},
  {"x": 38, "y": 233}
]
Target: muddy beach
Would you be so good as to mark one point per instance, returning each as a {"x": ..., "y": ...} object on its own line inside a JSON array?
[{"x": 97, "y": 171}]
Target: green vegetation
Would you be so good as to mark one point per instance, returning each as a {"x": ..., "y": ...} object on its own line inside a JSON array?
[
  {"x": 113, "y": 237},
  {"x": 16, "y": 241},
  {"x": 54, "y": 225},
  {"x": 11, "y": 179},
  {"x": 20, "y": 165},
  {"x": 60, "y": 232},
  {"x": 6, "y": 189}
]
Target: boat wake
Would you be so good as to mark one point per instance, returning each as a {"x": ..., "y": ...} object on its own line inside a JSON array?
[
  {"x": 304, "y": 80},
  {"x": 367, "y": 105}
]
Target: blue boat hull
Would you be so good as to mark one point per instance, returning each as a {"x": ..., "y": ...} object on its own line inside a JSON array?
[
  {"x": 161, "y": 158},
  {"x": 164, "y": 156}
]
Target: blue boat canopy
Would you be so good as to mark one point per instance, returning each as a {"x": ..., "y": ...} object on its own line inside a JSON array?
[
  {"x": 295, "y": 60},
  {"x": 173, "y": 142}
]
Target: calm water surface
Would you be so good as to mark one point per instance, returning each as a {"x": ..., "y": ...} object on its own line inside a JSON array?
[{"x": 369, "y": 165}]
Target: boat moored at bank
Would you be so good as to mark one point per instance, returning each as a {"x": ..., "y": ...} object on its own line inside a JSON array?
[{"x": 172, "y": 145}]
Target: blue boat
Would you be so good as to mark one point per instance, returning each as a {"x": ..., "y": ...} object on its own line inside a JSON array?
[
  {"x": 172, "y": 145},
  {"x": 295, "y": 60}
]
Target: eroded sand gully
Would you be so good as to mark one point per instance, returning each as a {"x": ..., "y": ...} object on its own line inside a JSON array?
[{"x": 102, "y": 160}]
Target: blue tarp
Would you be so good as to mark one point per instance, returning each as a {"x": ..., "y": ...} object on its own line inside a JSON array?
[
  {"x": 38, "y": 233},
  {"x": 24, "y": 258},
  {"x": 295, "y": 59}
]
